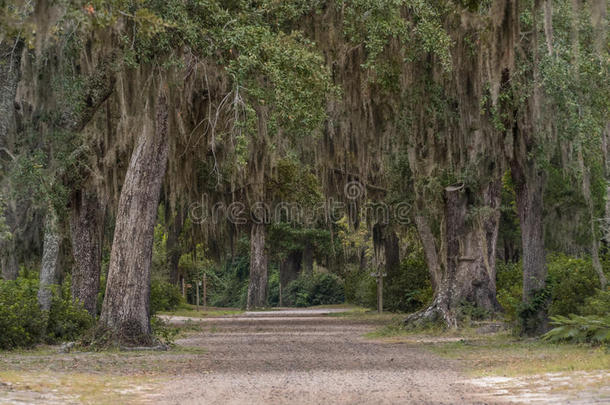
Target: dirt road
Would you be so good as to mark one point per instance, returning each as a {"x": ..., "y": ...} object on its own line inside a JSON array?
[{"x": 304, "y": 357}]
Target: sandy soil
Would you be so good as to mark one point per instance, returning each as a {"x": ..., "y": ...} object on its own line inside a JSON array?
[
  {"x": 302, "y": 357},
  {"x": 279, "y": 357}
]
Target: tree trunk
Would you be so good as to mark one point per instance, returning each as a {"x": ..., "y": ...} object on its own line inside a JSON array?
[
  {"x": 173, "y": 245},
  {"x": 10, "y": 58},
  {"x": 307, "y": 259},
  {"x": 529, "y": 187},
  {"x": 392, "y": 252},
  {"x": 466, "y": 271},
  {"x": 8, "y": 247},
  {"x": 257, "y": 289},
  {"x": 8, "y": 261},
  {"x": 87, "y": 228},
  {"x": 430, "y": 250},
  {"x": 50, "y": 259},
  {"x": 126, "y": 305},
  {"x": 290, "y": 267}
]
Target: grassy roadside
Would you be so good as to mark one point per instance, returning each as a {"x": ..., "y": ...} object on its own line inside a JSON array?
[
  {"x": 188, "y": 310},
  {"x": 499, "y": 354},
  {"x": 82, "y": 387},
  {"x": 503, "y": 355},
  {"x": 42, "y": 375}
]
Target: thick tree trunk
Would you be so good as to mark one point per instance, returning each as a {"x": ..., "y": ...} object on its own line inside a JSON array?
[
  {"x": 257, "y": 289},
  {"x": 87, "y": 227},
  {"x": 50, "y": 259},
  {"x": 173, "y": 245},
  {"x": 126, "y": 305},
  {"x": 290, "y": 267},
  {"x": 529, "y": 187},
  {"x": 466, "y": 274},
  {"x": 10, "y": 58}
]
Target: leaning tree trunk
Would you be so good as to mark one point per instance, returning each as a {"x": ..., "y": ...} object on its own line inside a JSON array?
[
  {"x": 50, "y": 259},
  {"x": 126, "y": 305},
  {"x": 87, "y": 227},
  {"x": 465, "y": 267}
]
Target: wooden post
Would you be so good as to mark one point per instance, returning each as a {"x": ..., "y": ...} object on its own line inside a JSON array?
[
  {"x": 380, "y": 293},
  {"x": 197, "y": 288},
  {"x": 183, "y": 289},
  {"x": 379, "y": 276},
  {"x": 205, "y": 292}
]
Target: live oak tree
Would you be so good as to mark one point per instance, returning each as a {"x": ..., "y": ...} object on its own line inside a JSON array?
[{"x": 109, "y": 107}]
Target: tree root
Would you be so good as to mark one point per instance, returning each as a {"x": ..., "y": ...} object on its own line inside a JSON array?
[{"x": 436, "y": 313}]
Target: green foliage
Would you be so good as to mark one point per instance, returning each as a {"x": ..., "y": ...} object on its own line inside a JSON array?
[
  {"x": 580, "y": 329},
  {"x": 315, "y": 289},
  {"x": 409, "y": 290},
  {"x": 164, "y": 296},
  {"x": 67, "y": 319},
  {"x": 285, "y": 238},
  {"x": 230, "y": 285},
  {"x": 572, "y": 280},
  {"x": 163, "y": 331},
  {"x": 509, "y": 288},
  {"x": 361, "y": 288},
  {"x": 21, "y": 320},
  {"x": 375, "y": 22},
  {"x": 598, "y": 304},
  {"x": 572, "y": 288}
]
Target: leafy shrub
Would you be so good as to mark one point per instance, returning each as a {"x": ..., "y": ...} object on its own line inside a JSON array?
[
  {"x": 21, "y": 321},
  {"x": 598, "y": 304},
  {"x": 361, "y": 289},
  {"x": 410, "y": 289},
  {"x": 230, "y": 284},
  {"x": 579, "y": 329},
  {"x": 164, "y": 296},
  {"x": 163, "y": 331},
  {"x": 571, "y": 281},
  {"x": 315, "y": 289},
  {"x": 24, "y": 324},
  {"x": 509, "y": 288},
  {"x": 67, "y": 319}
]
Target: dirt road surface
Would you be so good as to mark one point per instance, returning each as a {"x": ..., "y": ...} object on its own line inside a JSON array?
[{"x": 304, "y": 357}]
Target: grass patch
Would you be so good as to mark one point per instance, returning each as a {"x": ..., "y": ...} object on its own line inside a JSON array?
[
  {"x": 188, "y": 310},
  {"x": 87, "y": 388},
  {"x": 498, "y": 354},
  {"x": 503, "y": 355}
]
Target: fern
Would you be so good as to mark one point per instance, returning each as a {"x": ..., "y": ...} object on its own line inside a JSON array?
[{"x": 580, "y": 329}]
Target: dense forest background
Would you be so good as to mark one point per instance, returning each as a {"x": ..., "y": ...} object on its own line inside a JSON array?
[{"x": 287, "y": 150}]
